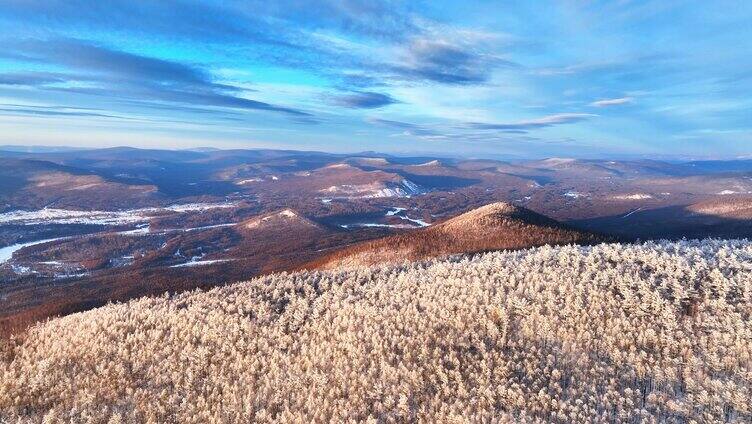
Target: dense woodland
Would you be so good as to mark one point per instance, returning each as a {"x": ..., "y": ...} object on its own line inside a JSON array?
[
  {"x": 495, "y": 226},
  {"x": 655, "y": 332}
]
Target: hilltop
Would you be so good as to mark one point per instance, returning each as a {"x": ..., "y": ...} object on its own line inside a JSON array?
[
  {"x": 612, "y": 332},
  {"x": 491, "y": 227}
]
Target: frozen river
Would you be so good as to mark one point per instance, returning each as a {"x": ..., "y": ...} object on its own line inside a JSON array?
[{"x": 6, "y": 253}]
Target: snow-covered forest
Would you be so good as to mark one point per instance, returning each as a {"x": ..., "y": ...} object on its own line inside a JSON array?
[{"x": 655, "y": 332}]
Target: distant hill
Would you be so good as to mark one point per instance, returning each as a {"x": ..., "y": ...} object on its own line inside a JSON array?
[
  {"x": 492, "y": 227},
  {"x": 724, "y": 216},
  {"x": 285, "y": 220},
  {"x": 655, "y": 332},
  {"x": 739, "y": 208},
  {"x": 33, "y": 184}
]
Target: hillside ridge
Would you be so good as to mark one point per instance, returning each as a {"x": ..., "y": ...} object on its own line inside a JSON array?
[
  {"x": 495, "y": 226},
  {"x": 608, "y": 333}
]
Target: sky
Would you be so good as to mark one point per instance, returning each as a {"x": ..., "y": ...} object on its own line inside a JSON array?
[{"x": 497, "y": 79}]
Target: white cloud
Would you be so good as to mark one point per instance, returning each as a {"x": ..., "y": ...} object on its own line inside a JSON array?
[{"x": 612, "y": 102}]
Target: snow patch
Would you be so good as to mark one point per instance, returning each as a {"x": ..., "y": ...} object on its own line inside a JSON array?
[
  {"x": 21, "y": 270},
  {"x": 430, "y": 163},
  {"x": 125, "y": 217},
  {"x": 558, "y": 161},
  {"x": 195, "y": 261},
  {"x": 398, "y": 212},
  {"x": 375, "y": 224},
  {"x": 635, "y": 196},
  {"x": 395, "y": 211},
  {"x": 249, "y": 180},
  {"x": 137, "y": 232},
  {"x": 404, "y": 188},
  {"x": 573, "y": 194},
  {"x": 6, "y": 253}
]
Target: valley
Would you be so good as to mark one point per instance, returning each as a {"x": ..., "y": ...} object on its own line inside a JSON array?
[{"x": 80, "y": 229}]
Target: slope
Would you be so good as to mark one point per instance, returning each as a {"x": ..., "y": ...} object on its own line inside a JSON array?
[
  {"x": 610, "y": 333},
  {"x": 491, "y": 227}
]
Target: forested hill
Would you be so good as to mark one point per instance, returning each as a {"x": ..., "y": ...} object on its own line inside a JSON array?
[{"x": 656, "y": 332}]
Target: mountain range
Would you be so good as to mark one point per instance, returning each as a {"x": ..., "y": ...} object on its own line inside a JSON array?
[{"x": 80, "y": 228}]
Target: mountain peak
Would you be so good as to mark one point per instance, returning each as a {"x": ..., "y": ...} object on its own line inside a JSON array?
[
  {"x": 496, "y": 226},
  {"x": 282, "y": 218},
  {"x": 497, "y": 214},
  {"x": 493, "y": 209}
]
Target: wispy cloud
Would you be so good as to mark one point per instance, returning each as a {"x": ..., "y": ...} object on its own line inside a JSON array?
[
  {"x": 126, "y": 75},
  {"x": 407, "y": 128},
  {"x": 364, "y": 100},
  {"x": 49, "y": 112},
  {"x": 612, "y": 102},
  {"x": 273, "y": 23},
  {"x": 449, "y": 68},
  {"x": 33, "y": 78},
  {"x": 84, "y": 56},
  {"x": 446, "y": 62},
  {"x": 546, "y": 121}
]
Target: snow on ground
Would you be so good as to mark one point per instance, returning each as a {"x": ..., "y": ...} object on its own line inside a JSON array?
[
  {"x": 196, "y": 261},
  {"x": 249, "y": 180},
  {"x": 146, "y": 230},
  {"x": 125, "y": 217},
  {"x": 122, "y": 261},
  {"x": 404, "y": 188},
  {"x": 21, "y": 270},
  {"x": 635, "y": 196},
  {"x": 140, "y": 231},
  {"x": 6, "y": 253},
  {"x": 420, "y": 222},
  {"x": 630, "y": 213},
  {"x": 64, "y": 216},
  {"x": 557, "y": 161},
  {"x": 199, "y": 207},
  {"x": 412, "y": 187},
  {"x": 398, "y": 212},
  {"x": 430, "y": 163},
  {"x": 375, "y": 224},
  {"x": 205, "y": 227},
  {"x": 66, "y": 276},
  {"x": 573, "y": 194},
  {"x": 376, "y": 161}
]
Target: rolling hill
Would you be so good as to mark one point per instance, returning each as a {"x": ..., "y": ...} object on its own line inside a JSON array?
[
  {"x": 655, "y": 332},
  {"x": 31, "y": 184},
  {"x": 491, "y": 227},
  {"x": 729, "y": 216}
]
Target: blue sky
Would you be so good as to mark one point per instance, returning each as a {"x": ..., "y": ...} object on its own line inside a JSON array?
[{"x": 483, "y": 79}]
